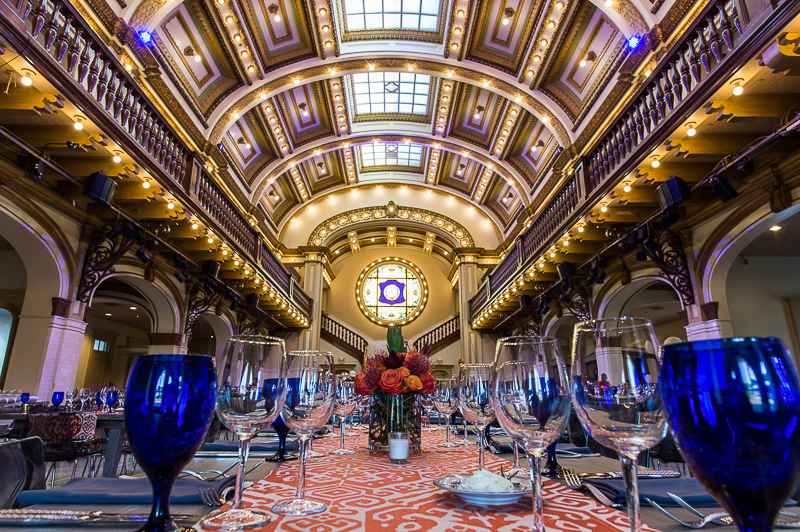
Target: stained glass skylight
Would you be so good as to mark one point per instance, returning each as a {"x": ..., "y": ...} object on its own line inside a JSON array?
[
  {"x": 392, "y": 293},
  {"x": 391, "y": 92},
  {"x": 420, "y": 15},
  {"x": 391, "y": 154}
]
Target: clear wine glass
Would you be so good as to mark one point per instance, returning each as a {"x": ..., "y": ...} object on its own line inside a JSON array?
[
  {"x": 615, "y": 363},
  {"x": 251, "y": 389},
  {"x": 311, "y": 382},
  {"x": 85, "y": 395},
  {"x": 346, "y": 401},
  {"x": 530, "y": 394},
  {"x": 465, "y": 440},
  {"x": 445, "y": 399},
  {"x": 474, "y": 382}
]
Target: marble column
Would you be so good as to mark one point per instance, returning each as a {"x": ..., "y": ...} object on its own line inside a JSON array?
[
  {"x": 471, "y": 347},
  {"x": 312, "y": 286}
]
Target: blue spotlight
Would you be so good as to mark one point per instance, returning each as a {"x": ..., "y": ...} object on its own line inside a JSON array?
[
  {"x": 633, "y": 42},
  {"x": 145, "y": 36}
]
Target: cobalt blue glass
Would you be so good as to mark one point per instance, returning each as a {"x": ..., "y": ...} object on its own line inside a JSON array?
[
  {"x": 169, "y": 400},
  {"x": 733, "y": 406},
  {"x": 24, "y": 398},
  {"x": 112, "y": 398},
  {"x": 282, "y": 431},
  {"x": 98, "y": 399},
  {"x": 58, "y": 398}
]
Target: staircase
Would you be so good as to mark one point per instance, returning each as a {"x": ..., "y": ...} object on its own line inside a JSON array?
[
  {"x": 344, "y": 338},
  {"x": 440, "y": 336}
]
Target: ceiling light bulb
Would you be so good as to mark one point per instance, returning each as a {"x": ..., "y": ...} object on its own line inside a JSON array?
[
  {"x": 457, "y": 31},
  {"x": 559, "y": 5},
  {"x": 626, "y": 188},
  {"x": 26, "y": 80},
  {"x": 146, "y": 184},
  {"x": 325, "y": 28},
  {"x": 371, "y": 67},
  {"x": 552, "y": 254},
  {"x": 194, "y": 226},
  {"x": 276, "y": 18},
  {"x": 543, "y": 42},
  {"x": 580, "y": 229},
  {"x": 323, "y": 11},
  {"x": 691, "y": 131},
  {"x": 609, "y": 3},
  {"x": 245, "y": 54},
  {"x": 775, "y": 228},
  {"x": 647, "y": 73},
  {"x": 251, "y": 69},
  {"x": 454, "y": 46},
  {"x": 170, "y": 205},
  {"x": 655, "y": 163},
  {"x": 582, "y": 62},
  {"x": 551, "y": 24},
  {"x": 738, "y": 90},
  {"x": 117, "y": 158},
  {"x": 229, "y": 19},
  {"x": 197, "y": 58},
  {"x": 460, "y": 13},
  {"x": 603, "y": 208},
  {"x": 210, "y": 240},
  {"x": 328, "y": 44},
  {"x": 411, "y": 68},
  {"x": 505, "y": 21},
  {"x": 78, "y": 124}
]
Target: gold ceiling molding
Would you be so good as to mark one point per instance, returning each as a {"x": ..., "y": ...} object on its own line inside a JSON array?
[
  {"x": 342, "y": 143},
  {"x": 435, "y": 222},
  {"x": 436, "y": 68}
]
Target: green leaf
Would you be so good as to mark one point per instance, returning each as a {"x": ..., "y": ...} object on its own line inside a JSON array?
[{"x": 394, "y": 339}]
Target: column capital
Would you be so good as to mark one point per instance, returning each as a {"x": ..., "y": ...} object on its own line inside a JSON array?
[
  {"x": 315, "y": 253},
  {"x": 61, "y": 307}
]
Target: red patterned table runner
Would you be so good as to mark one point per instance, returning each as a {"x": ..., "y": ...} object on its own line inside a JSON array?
[
  {"x": 59, "y": 426},
  {"x": 364, "y": 492}
]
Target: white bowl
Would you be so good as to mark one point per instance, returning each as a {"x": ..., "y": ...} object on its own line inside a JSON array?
[{"x": 452, "y": 483}]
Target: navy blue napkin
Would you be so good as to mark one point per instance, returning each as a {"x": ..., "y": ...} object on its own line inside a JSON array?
[
  {"x": 82, "y": 490},
  {"x": 688, "y": 489},
  {"x": 229, "y": 445}
]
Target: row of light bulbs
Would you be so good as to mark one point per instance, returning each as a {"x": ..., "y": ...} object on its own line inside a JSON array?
[
  {"x": 556, "y": 12},
  {"x": 236, "y": 31},
  {"x": 458, "y": 32}
]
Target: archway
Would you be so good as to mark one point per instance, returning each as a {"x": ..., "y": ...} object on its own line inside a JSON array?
[{"x": 210, "y": 334}]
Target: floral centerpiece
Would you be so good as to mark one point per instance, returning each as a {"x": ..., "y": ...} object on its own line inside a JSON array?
[{"x": 395, "y": 380}]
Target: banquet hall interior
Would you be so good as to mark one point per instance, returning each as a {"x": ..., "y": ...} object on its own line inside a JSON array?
[{"x": 174, "y": 173}]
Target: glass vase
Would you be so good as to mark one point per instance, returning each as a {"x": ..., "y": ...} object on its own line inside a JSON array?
[{"x": 394, "y": 413}]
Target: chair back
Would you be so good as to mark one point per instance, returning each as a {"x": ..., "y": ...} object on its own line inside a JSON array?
[{"x": 23, "y": 469}]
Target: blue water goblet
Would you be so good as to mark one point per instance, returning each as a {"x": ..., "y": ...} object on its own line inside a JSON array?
[
  {"x": 98, "y": 399},
  {"x": 24, "y": 398},
  {"x": 733, "y": 407},
  {"x": 168, "y": 406},
  {"x": 281, "y": 455},
  {"x": 112, "y": 398},
  {"x": 57, "y": 399}
]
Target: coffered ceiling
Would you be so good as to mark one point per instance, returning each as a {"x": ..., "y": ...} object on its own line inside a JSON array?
[{"x": 484, "y": 101}]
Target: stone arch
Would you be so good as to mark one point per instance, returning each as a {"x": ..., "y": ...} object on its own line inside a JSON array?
[
  {"x": 731, "y": 236},
  {"x": 47, "y": 266},
  {"x": 168, "y": 315},
  {"x": 613, "y": 296},
  {"x": 223, "y": 327}
]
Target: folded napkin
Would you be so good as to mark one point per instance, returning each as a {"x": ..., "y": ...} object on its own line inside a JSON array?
[
  {"x": 6, "y": 426},
  {"x": 688, "y": 489},
  {"x": 82, "y": 490},
  {"x": 229, "y": 445}
]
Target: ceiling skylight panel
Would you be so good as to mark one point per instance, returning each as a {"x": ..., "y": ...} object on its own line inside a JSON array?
[
  {"x": 391, "y": 92},
  {"x": 391, "y": 154},
  {"x": 417, "y": 15}
]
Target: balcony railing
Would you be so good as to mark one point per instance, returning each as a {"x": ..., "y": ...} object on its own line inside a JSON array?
[
  {"x": 440, "y": 336},
  {"x": 710, "y": 38},
  {"x": 344, "y": 338},
  {"x": 61, "y": 31},
  {"x": 219, "y": 207}
]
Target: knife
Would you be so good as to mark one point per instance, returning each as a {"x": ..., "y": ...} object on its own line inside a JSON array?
[
  {"x": 32, "y": 516},
  {"x": 641, "y": 474}
]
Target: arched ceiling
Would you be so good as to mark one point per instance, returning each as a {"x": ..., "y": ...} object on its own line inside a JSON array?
[{"x": 306, "y": 99}]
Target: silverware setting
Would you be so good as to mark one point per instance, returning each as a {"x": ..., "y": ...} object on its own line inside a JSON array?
[
  {"x": 717, "y": 518},
  {"x": 211, "y": 497},
  {"x": 31, "y": 516},
  {"x": 640, "y": 474},
  {"x": 574, "y": 482}
]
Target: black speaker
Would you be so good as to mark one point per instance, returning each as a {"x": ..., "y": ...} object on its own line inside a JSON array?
[
  {"x": 33, "y": 166},
  {"x": 101, "y": 188},
  {"x": 722, "y": 188},
  {"x": 524, "y": 301},
  {"x": 672, "y": 192},
  {"x": 211, "y": 268},
  {"x": 565, "y": 270},
  {"x": 253, "y": 299}
]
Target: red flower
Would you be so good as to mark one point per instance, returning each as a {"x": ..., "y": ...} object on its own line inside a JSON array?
[
  {"x": 361, "y": 387},
  {"x": 428, "y": 383},
  {"x": 394, "y": 360},
  {"x": 392, "y": 382}
]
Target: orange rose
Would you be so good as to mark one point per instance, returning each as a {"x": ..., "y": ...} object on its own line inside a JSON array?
[
  {"x": 392, "y": 382},
  {"x": 405, "y": 372},
  {"x": 413, "y": 382}
]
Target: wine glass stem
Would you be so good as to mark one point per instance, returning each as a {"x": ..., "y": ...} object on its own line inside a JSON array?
[
  {"x": 535, "y": 466},
  {"x": 301, "y": 475},
  {"x": 631, "y": 490},
  {"x": 516, "y": 454},
  {"x": 244, "y": 451},
  {"x": 341, "y": 446},
  {"x": 480, "y": 449},
  {"x": 447, "y": 429}
]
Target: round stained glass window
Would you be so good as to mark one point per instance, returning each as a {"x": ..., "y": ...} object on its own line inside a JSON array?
[{"x": 392, "y": 291}]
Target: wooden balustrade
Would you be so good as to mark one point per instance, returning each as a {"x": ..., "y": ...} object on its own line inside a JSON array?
[
  {"x": 563, "y": 203},
  {"x": 706, "y": 43},
  {"x": 344, "y": 338},
  {"x": 505, "y": 270},
  {"x": 219, "y": 207},
  {"x": 301, "y": 299},
  {"x": 440, "y": 336},
  {"x": 274, "y": 268},
  {"x": 61, "y": 31}
]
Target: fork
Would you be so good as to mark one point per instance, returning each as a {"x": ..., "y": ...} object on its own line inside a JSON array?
[
  {"x": 574, "y": 482},
  {"x": 210, "y": 496},
  {"x": 716, "y": 518},
  {"x": 729, "y": 520}
]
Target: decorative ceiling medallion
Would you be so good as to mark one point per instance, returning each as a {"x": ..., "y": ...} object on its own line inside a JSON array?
[
  {"x": 459, "y": 236},
  {"x": 391, "y": 291}
]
